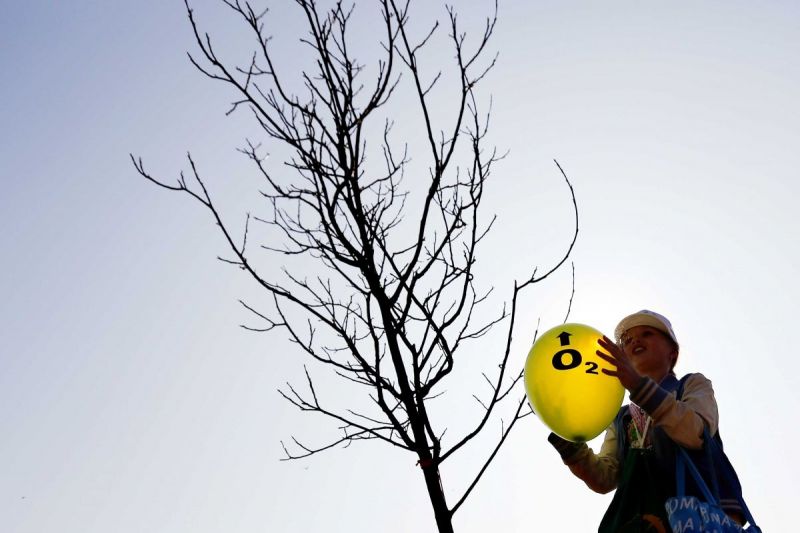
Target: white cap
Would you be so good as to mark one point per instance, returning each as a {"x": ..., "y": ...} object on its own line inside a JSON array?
[{"x": 645, "y": 318}]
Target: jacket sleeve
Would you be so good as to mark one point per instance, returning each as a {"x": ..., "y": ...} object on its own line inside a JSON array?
[
  {"x": 600, "y": 471},
  {"x": 682, "y": 420}
]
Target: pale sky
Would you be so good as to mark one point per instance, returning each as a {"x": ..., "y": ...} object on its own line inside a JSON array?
[{"x": 130, "y": 399}]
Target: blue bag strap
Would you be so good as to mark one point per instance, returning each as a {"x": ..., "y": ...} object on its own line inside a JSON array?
[
  {"x": 683, "y": 461},
  {"x": 711, "y": 442}
]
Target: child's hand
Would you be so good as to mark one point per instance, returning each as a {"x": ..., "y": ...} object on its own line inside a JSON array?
[{"x": 624, "y": 370}]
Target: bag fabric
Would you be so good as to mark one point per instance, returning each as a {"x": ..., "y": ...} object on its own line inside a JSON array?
[
  {"x": 690, "y": 513},
  {"x": 638, "y": 503}
]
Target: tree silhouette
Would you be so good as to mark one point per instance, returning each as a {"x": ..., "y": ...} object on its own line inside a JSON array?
[{"x": 395, "y": 299}]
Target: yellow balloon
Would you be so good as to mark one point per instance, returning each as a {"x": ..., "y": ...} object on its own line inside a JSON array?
[{"x": 566, "y": 386}]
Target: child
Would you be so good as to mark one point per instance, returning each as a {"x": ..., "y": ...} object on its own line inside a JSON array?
[{"x": 664, "y": 412}]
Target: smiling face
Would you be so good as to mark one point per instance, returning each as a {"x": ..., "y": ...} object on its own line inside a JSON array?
[{"x": 651, "y": 352}]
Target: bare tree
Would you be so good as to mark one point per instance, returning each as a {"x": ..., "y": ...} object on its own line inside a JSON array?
[{"x": 394, "y": 306}]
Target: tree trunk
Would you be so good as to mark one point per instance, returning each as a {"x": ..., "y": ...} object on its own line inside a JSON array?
[{"x": 436, "y": 493}]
